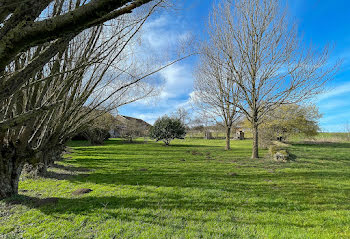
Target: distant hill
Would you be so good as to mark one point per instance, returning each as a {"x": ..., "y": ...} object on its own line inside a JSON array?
[{"x": 124, "y": 120}]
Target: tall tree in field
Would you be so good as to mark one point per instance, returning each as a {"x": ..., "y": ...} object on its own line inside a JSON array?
[
  {"x": 182, "y": 114},
  {"x": 269, "y": 62},
  {"x": 216, "y": 93}
]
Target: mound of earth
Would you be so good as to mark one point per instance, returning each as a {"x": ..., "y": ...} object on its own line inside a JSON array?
[{"x": 81, "y": 191}]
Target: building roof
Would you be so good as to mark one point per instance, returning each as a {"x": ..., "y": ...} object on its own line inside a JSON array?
[{"x": 125, "y": 119}]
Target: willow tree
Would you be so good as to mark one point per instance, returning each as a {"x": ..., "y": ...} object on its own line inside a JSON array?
[
  {"x": 44, "y": 84},
  {"x": 270, "y": 63},
  {"x": 48, "y": 25}
]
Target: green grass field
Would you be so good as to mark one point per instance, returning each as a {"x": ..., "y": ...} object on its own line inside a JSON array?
[{"x": 192, "y": 189}]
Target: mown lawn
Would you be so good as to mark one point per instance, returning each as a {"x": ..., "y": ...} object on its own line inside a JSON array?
[{"x": 192, "y": 189}]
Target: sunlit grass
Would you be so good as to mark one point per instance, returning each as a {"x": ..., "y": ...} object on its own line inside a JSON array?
[{"x": 192, "y": 189}]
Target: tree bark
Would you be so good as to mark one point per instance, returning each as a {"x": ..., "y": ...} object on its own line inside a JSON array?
[
  {"x": 43, "y": 160},
  {"x": 228, "y": 138},
  {"x": 10, "y": 171},
  {"x": 35, "y": 170},
  {"x": 166, "y": 142},
  {"x": 255, "y": 153}
]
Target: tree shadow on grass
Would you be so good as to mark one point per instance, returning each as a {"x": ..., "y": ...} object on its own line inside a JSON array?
[
  {"x": 62, "y": 172},
  {"x": 223, "y": 180},
  {"x": 323, "y": 155},
  {"x": 89, "y": 204},
  {"x": 62, "y": 176},
  {"x": 70, "y": 168},
  {"x": 113, "y": 207},
  {"x": 259, "y": 185},
  {"x": 84, "y": 205},
  {"x": 154, "y": 146}
]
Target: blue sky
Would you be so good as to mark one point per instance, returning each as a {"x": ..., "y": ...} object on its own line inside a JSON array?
[{"x": 320, "y": 22}]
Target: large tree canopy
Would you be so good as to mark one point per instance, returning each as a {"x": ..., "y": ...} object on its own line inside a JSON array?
[{"x": 286, "y": 121}]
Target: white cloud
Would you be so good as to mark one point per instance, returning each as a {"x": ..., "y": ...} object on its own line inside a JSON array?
[
  {"x": 161, "y": 39},
  {"x": 337, "y": 91},
  {"x": 163, "y": 33},
  {"x": 336, "y": 118},
  {"x": 148, "y": 117},
  {"x": 178, "y": 81},
  {"x": 333, "y": 104}
]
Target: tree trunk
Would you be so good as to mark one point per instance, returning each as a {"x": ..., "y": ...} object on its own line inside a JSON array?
[
  {"x": 228, "y": 138},
  {"x": 36, "y": 170},
  {"x": 43, "y": 160},
  {"x": 10, "y": 171},
  {"x": 255, "y": 153}
]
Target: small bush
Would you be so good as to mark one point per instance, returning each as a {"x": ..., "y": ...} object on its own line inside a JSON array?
[{"x": 167, "y": 129}]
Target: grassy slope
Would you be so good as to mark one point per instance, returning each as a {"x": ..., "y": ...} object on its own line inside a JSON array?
[{"x": 212, "y": 194}]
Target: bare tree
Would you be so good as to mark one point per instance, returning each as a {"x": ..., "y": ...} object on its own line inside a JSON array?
[
  {"x": 98, "y": 130},
  {"x": 268, "y": 60},
  {"x": 182, "y": 114},
  {"x": 216, "y": 93},
  {"x": 130, "y": 128}
]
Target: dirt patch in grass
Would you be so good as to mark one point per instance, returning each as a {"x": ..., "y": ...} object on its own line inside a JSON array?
[
  {"x": 81, "y": 191},
  {"x": 195, "y": 152},
  {"x": 271, "y": 171}
]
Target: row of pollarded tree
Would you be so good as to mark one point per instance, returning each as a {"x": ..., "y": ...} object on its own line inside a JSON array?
[
  {"x": 61, "y": 67},
  {"x": 253, "y": 62}
]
